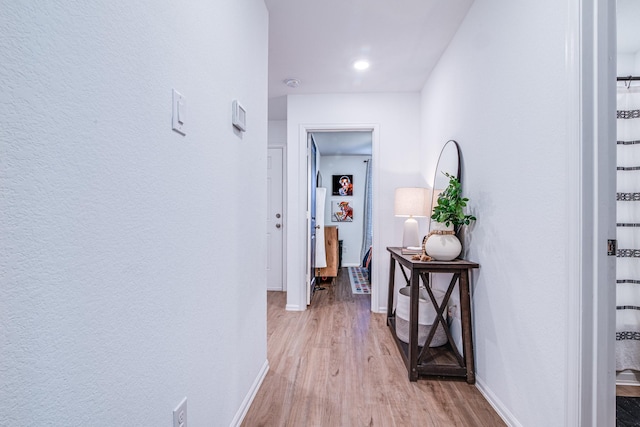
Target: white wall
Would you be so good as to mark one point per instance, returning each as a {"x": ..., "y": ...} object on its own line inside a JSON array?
[
  {"x": 132, "y": 271},
  {"x": 501, "y": 90},
  {"x": 396, "y": 163},
  {"x": 627, "y": 64},
  {"x": 277, "y": 133},
  {"x": 349, "y": 232}
]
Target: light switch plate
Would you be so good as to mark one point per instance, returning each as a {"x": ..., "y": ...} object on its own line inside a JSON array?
[
  {"x": 179, "y": 117},
  {"x": 239, "y": 116},
  {"x": 180, "y": 414}
]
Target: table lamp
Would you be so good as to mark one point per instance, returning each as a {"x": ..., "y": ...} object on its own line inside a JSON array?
[{"x": 411, "y": 202}]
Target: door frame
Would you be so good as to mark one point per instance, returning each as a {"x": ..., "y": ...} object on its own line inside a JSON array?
[
  {"x": 375, "y": 150},
  {"x": 312, "y": 169},
  {"x": 590, "y": 361}
]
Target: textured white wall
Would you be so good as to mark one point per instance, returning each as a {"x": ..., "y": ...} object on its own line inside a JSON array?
[
  {"x": 277, "y": 135},
  {"x": 349, "y": 232},
  {"x": 132, "y": 259},
  {"x": 626, "y": 64},
  {"x": 501, "y": 90},
  {"x": 397, "y": 162}
]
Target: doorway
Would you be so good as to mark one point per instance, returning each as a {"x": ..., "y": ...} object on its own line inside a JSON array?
[
  {"x": 297, "y": 262},
  {"x": 627, "y": 341},
  {"x": 340, "y": 170}
]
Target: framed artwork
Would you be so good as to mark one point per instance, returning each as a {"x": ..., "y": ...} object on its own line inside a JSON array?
[
  {"x": 342, "y": 185},
  {"x": 341, "y": 211}
]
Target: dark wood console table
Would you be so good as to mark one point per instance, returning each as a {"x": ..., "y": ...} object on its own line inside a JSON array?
[{"x": 439, "y": 361}]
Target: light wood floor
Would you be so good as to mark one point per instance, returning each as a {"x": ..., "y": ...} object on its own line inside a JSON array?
[
  {"x": 336, "y": 364},
  {"x": 628, "y": 390}
]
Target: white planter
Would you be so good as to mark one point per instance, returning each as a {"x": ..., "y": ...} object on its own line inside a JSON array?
[
  {"x": 442, "y": 247},
  {"x": 426, "y": 317}
]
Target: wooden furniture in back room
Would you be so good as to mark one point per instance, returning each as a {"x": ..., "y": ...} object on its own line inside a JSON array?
[{"x": 333, "y": 258}]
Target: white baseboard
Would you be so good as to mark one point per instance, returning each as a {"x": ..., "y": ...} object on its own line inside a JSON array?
[
  {"x": 628, "y": 378},
  {"x": 294, "y": 307},
  {"x": 351, "y": 264},
  {"x": 274, "y": 289},
  {"x": 381, "y": 310},
  {"x": 497, "y": 404},
  {"x": 246, "y": 403}
]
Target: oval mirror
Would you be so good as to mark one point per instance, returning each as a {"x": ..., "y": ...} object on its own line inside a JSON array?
[{"x": 448, "y": 162}]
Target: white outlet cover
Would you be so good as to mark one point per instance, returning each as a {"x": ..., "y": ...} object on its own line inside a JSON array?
[
  {"x": 180, "y": 414},
  {"x": 179, "y": 117}
]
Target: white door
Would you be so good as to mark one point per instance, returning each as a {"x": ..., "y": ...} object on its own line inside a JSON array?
[
  {"x": 311, "y": 209},
  {"x": 275, "y": 223}
]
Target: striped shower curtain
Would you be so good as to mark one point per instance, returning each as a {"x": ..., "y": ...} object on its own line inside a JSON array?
[{"x": 628, "y": 229}]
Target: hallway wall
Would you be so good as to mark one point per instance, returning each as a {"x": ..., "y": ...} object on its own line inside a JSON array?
[
  {"x": 277, "y": 133},
  {"x": 628, "y": 64},
  {"x": 397, "y": 162},
  {"x": 501, "y": 90},
  {"x": 132, "y": 262}
]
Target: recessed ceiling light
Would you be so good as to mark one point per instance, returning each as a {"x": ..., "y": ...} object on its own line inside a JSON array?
[
  {"x": 361, "y": 65},
  {"x": 292, "y": 82}
]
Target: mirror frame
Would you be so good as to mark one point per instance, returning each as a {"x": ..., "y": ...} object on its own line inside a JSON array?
[{"x": 437, "y": 170}]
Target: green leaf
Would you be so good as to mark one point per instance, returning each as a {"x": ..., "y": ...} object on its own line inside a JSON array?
[{"x": 451, "y": 204}]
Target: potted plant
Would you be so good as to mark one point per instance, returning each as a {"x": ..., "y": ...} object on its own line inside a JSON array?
[
  {"x": 451, "y": 204},
  {"x": 442, "y": 243}
]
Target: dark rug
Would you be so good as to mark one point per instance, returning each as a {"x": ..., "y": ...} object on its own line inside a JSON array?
[{"x": 627, "y": 411}]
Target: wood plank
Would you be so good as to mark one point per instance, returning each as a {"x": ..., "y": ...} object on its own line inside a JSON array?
[
  {"x": 628, "y": 390},
  {"x": 337, "y": 364},
  {"x": 332, "y": 249}
]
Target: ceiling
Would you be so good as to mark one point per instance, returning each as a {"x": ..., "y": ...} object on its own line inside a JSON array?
[
  {"x": 356, "y": 143},
  {"x": 628, "y": 16},
  {"x": 317, "y": 42}
]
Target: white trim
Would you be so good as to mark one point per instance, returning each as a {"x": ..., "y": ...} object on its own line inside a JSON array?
[
  {"x": 497, "y": 404},
  {"x": 604, "y": 293},
  {"x": 573, "y": 362},
  {"x": 246, "y": 403},
  {"x": 310, "y": 143},
  {"x": 375, "y": 136},
  {"x": 294, "y": 307},
  {"x": 590, "y": 318},
  {"x": 285, "y": 217},
  {"x": 378, "y": 254}
]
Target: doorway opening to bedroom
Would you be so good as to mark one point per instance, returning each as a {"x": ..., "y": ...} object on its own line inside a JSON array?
[
  {"x": 341, "y": 185},
  {"x": 627, "y": 333}
]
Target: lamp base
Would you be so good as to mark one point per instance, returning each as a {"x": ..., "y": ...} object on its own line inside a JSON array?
[{"x": 410, "y": 235}]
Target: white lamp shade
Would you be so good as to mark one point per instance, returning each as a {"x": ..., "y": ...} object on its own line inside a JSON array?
[{"x": 412, "y": 201}]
